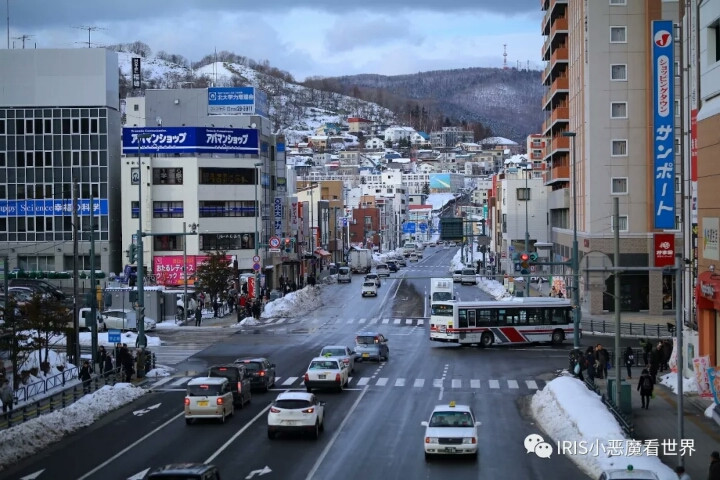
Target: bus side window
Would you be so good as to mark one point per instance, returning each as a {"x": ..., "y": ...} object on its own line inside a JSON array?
[
  {"x": 462, "y": 318},
  {"x": 485, "y": 318},
  {"x": 523, "y": 316},
  {"x": 471, "y": 318},
  {"x": 502, "y": 318}
]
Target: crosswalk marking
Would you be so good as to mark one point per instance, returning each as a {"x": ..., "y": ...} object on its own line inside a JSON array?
[
  {"x": 170, "y": 383},
  {"x": 374, "y": 320},
  {"x": 408, "y": 321},
  {"x": 282, "y": 320},
  {"x": 386, "y": 321},
  {"x": 397, "y": 321},
  {"x": 362, "y": 320},
  {"x": 350, "y": 320},
  {"x": 420, "y": 322}
]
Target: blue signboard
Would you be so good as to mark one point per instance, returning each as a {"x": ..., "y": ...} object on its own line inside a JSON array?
[
  {"x": 409, "y": 227},
  {"x": 237, "y": 101},
  {"x": 663, "y": 123},
  {"x": 189, "y": 140},
  {"x": 29, "y": 208},
  {"x": 423, "y": 227},
  {"x": 114, "y": 335}
]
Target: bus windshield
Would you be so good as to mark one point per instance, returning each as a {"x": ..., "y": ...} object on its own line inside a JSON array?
[
  {"x": 441, "y": 310},
  {"x": 442, "y": 297}
]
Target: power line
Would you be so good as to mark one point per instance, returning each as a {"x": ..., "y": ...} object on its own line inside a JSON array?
[{"x": 89, "y": 29}]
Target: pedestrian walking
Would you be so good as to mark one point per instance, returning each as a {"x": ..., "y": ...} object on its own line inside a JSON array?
[
  {"x": 602, "y": 358},
  {"x": 107, "y": 365},
  {"x": 629, "y": 360},
  {"x": 6, "y": 395},
  {"x": 645, "y": 387},
  {"x": 85, "y": 375},
  {"x": 242, "y": 303},
  {"x": 216, "y": 305},
  {"x": 198, "y": 317},
  {"x": 667, "y": 348},
  {"x": 128, "y": 363},
  {"x": 646, "y": 347},
  {"x": 101, "y": 354},
  {"x": 680, "y": 470},
  {"x": 714, "y": 470},
  {"x": 656, "y": 357},
  {"x": 590, "y": 362},
  {"x": 256, "y": 307}
]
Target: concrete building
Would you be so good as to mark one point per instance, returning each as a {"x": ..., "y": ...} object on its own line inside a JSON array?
[
  {"x": 599, "y": 80},
  {"x": 59, "y": 124},
  {"x": 708, "y": 180},
  {"x": 449, "y": 137}
]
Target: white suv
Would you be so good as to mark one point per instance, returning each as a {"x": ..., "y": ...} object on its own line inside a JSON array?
[{"x": 296, "y": 412}]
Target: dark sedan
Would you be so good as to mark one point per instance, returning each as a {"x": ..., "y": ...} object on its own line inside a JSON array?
[{"x": 261, "y": 372}]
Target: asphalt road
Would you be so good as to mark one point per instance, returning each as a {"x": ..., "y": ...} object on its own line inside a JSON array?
[{"x": 372, "y": 429}]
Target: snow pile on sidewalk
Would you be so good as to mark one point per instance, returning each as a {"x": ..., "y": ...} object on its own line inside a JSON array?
[
  {"x": 34, "y": 435},
  {"x": 568, "y": 412},
  {"x": 294, "y": 304},
  {"x": 689, "y": 384}
]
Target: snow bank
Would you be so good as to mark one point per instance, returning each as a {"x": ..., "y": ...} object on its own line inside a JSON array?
[{"x": 294, "y": 304}]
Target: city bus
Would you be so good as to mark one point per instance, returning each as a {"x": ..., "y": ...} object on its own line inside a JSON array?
[{"x": 516, "y": 320}]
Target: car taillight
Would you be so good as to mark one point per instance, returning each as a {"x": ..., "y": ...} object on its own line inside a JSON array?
[
  {"x": 337, "y": 377},
  {"x": 274, "y": 410},
  {"x": 307, "y": 377},
  {"x": 239, "y": 387},
  {"x": 261, "y": 373},
  {"x": 219, "y": 401},
  {"x": 187, "y": 401},
  {"x": 309, "y": 410}
]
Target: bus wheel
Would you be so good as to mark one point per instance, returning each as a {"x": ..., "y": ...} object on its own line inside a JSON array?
[
  {"x": 486, "y": 340},
  {"x": 558, "y": 336}
]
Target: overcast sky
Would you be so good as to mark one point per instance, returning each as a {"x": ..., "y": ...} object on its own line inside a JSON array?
[{"x": 305, "y": 38}]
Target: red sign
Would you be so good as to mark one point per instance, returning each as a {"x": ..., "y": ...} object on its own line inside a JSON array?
[
  {"x": 664, "y": 249},
  {"x": 168, "y": 269}
]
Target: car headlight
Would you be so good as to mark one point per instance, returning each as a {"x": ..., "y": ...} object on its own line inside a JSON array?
[
  {"x": 431, "y": 440},
  {"x": 469, "y": 440}
]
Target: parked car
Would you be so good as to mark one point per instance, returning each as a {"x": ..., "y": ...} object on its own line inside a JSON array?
[
  {"x": 125, "y": 319},
  {"x": 207, "y": 397},
  {"x": 345, "y": 353},
  {"x": 468, "y": 276},
  {"x": 239, "y": 379},
  {"x": 260, "y": 371},
  {"x": 382, "y": 270},
  {"x": 451, "y": 430},
  {"x": 326, "y": 372},
  {"x": 371, "y": 345},
  {"x": 184, "y": 471},
  {"x": 457, "y": 276},
  {"x": 375, "y": 278},
  {"x": 296, "y": 412},
  {"x": 628, "y": 473},
  {"x": 344, "y": 275},
  {"x": 369, "y": 289}
]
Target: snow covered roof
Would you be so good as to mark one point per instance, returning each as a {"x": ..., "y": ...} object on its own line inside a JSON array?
[{"x": 497, "y": 141}]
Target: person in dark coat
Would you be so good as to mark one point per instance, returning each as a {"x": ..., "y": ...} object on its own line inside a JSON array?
[
  {"x": 198, "y": 317},
  {"x": 667, "y": 353},
  {"x": 656, "y": 357},
  {"x": 602, "y": 358},
  {"x": 128, "y": 363},
  {"x": 645, "y": 387},
  {"x": 7, "y": 396},
  {"x": 85, "y": 375},
  {"x": 590, "y": 362},
  {"x": 256, "y": 308},
  {"x": 714, "y": 470},
  {"x": 101, "y": 354},
  {"x": 629, "y": 360},
  {"x": 646, "y": 346},
  {"x": 107, "y": 365}
]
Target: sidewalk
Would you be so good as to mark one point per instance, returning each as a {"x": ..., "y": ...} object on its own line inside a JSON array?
[{"x": 659, "y": 422}]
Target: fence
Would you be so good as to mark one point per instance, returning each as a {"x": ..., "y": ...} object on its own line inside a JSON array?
[
  {"x": 57, "y": 400},
  {"x": 623, "y": 420},
  {"x": 628, "y": 329},
  {"x": 27, "y": 392}
]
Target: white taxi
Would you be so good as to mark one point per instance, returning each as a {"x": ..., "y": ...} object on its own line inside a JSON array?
[
  {"x": 629, "y": 473},
  {"x": 451, "y": 430},
  {"x": 326, "y": 372},
  {"x": 296, "y": 412}
]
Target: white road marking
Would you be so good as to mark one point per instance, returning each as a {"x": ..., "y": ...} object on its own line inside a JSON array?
[
  {"x": 408, "y": 321},
  {"x": 363, "y": 381},
  {"x": 180, "y": 381},
  {"x": 512, "y": 384},
  {"x": 474, "y": 383},
  {"x": 282, "y": 320},
  {"x": 289, "y": 381},
  {"x": 420, "y": 322},
  {"x": 494, "y": 384},
  {"x": 397, "y": 321},
  {"x": 531, "y": 384},
  {"x": 161, "y": 382},
  {"x": 362, "y": 320},
  {"x": 456, "y": 383},
  {"x": 386, "y": 321},
  {"x": 400, "y": 382},
  {"x": 419, "y": 382},
  {"x": 374, "y": 320},
  {"x": 382, "y": 381},
  {"x": 438, "y": 382}
]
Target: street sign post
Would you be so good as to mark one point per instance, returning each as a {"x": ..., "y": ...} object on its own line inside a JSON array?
[{"x": 114, "y": 335}]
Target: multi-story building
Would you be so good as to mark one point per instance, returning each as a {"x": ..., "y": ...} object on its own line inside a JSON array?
[
  {"x": 599, "y": 105},
  {"x": 59, "y": 132},
  {"x": 449, "y": 137},
  {"x": 708, "y": 179}
]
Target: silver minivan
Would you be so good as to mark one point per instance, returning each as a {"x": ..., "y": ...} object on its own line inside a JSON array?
[
  {"x": 344, "y": 275},
  {"x": 468, "y": 276}
]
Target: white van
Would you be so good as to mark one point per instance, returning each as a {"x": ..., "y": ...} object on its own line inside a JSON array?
[{"x": 344, "y": 275}]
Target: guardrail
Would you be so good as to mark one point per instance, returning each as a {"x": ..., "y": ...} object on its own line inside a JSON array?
[
  {"x": 56, "y": 400},
  {"x": 629, "y": 329},
  {"x": 623, "y": 420},
  {"x": 29, "y": 391}
]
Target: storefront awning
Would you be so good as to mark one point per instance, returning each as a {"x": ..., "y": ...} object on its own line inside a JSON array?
[{"x": 322, "y": 252}]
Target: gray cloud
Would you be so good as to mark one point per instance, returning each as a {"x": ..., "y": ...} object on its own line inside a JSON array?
[
  {"x": 349, "y": 33},
  {"x": 39, "y": 14}
]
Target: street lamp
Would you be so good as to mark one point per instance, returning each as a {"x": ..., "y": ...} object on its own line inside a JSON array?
[
  {"x": 527, "y": 231},
  {"x": 257, "y": 234},
  {"x": 575, "y": 253},
  {"x": 140, "y": 312},
  {"x": 193, "y": 227}
]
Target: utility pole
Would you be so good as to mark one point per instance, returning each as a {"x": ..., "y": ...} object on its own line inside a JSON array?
[
  {"x": 616, "y": 294},
  {"x": 76, "y": 287},
  {"x": 140, "y": 309},
  {"x": 527, "y": 232},
  {"x": 93, "y": 300}
]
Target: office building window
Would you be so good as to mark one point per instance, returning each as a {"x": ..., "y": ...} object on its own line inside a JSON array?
[
  {"x": 619, "y": 148},
  {"x": 619, "y": 185},
  {"x": 618, "y": 72},
  {"x": 618, "y": 34},
  {"x": 223, "y": 208},
  {"x": 167, "y": 176},
  {"x": 168, "y": 242},
  {"x": 618, "y": 2},
  {"x": 713, "y": 42},
  {"x": 618, "y": 110},
  {"x": 227, "y": 241},
  {"x": 167, "y": 209},
  {"x": 134, "y": 209},
  {"x": 523, "y": 194}
]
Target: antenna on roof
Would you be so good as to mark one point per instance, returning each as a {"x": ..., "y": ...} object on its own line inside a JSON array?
[
  {"x": 505, "y": 67},
  {"x": 23, "y": 38},
  {"x": 89, "y": 30}
]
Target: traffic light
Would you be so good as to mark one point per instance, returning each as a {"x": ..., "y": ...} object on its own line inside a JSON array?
[
  {"x": 288, "y": 244},
  {"x": 132, "y": 253},
  {"x": 525, "y": 263}
]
